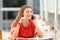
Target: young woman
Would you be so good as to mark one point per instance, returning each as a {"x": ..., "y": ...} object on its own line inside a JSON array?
[{"x": 24, "y": 26}]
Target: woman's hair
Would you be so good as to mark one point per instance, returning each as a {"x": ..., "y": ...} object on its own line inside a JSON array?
[{"x": 21, "y": 12}]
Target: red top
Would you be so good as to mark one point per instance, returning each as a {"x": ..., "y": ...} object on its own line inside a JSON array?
[{"x": 26, "y": 32}]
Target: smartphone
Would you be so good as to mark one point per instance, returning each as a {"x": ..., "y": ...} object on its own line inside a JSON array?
[{"x": 32, "y": 17}]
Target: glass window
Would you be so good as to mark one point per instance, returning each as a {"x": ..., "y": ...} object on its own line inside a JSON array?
[
  {"x": 9, "y": 15},
  {"x": 36, "y": 6},
  {"x": 6, "y": 26},
  {"x": 13, "y": 3}
]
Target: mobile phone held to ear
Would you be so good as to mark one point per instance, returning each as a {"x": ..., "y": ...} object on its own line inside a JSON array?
[{"x": 32, "y": 17}]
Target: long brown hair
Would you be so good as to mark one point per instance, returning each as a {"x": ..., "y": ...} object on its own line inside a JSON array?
[{"x": 20, "y": 13}]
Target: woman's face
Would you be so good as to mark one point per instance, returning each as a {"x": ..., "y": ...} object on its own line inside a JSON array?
[{"x": 28, "y": 13}]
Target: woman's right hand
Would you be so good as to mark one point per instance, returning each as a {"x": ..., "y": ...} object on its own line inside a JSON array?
[{"x": 21, "y": 20}]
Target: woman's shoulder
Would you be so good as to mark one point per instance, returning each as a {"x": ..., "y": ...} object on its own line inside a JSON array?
[{"x": 14, "y": 24}]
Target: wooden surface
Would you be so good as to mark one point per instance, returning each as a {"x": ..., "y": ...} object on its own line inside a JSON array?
[{"x": 0, "y": 35}]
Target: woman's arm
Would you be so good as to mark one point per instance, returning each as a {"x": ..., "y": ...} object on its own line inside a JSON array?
[
  {"x": 15, "y": 32},
  {"x": 39, "y": 32}
]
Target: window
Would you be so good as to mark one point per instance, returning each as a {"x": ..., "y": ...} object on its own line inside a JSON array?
[
  {"x": 9, "y": 15},
  {"x": 13, "y": 3},
  {"x": 10, "y": 10},
  {"x": 36, "y": 6}
]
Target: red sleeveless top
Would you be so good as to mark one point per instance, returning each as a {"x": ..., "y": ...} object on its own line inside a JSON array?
[{"x": 26, "y": 32}]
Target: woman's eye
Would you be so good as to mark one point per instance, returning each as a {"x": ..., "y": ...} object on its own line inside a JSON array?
[
  {"x": 30, "y": 11},
  {"x": 27, "y": 11}
]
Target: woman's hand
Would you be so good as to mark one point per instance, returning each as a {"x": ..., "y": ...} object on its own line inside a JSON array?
[
  {"x": 39, "y": 32},
  {"x": 21, "y": 20}
]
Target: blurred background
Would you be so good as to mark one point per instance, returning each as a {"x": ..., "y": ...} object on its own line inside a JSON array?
[{"x": 48, "y": 9}]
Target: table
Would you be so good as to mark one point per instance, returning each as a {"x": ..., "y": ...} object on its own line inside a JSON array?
[{"x": 34, "y": 39}]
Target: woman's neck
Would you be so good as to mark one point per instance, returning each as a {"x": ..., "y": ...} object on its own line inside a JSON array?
[
  {"x": 26, "y": 19},
  {"x": 26, "y": 22}
]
